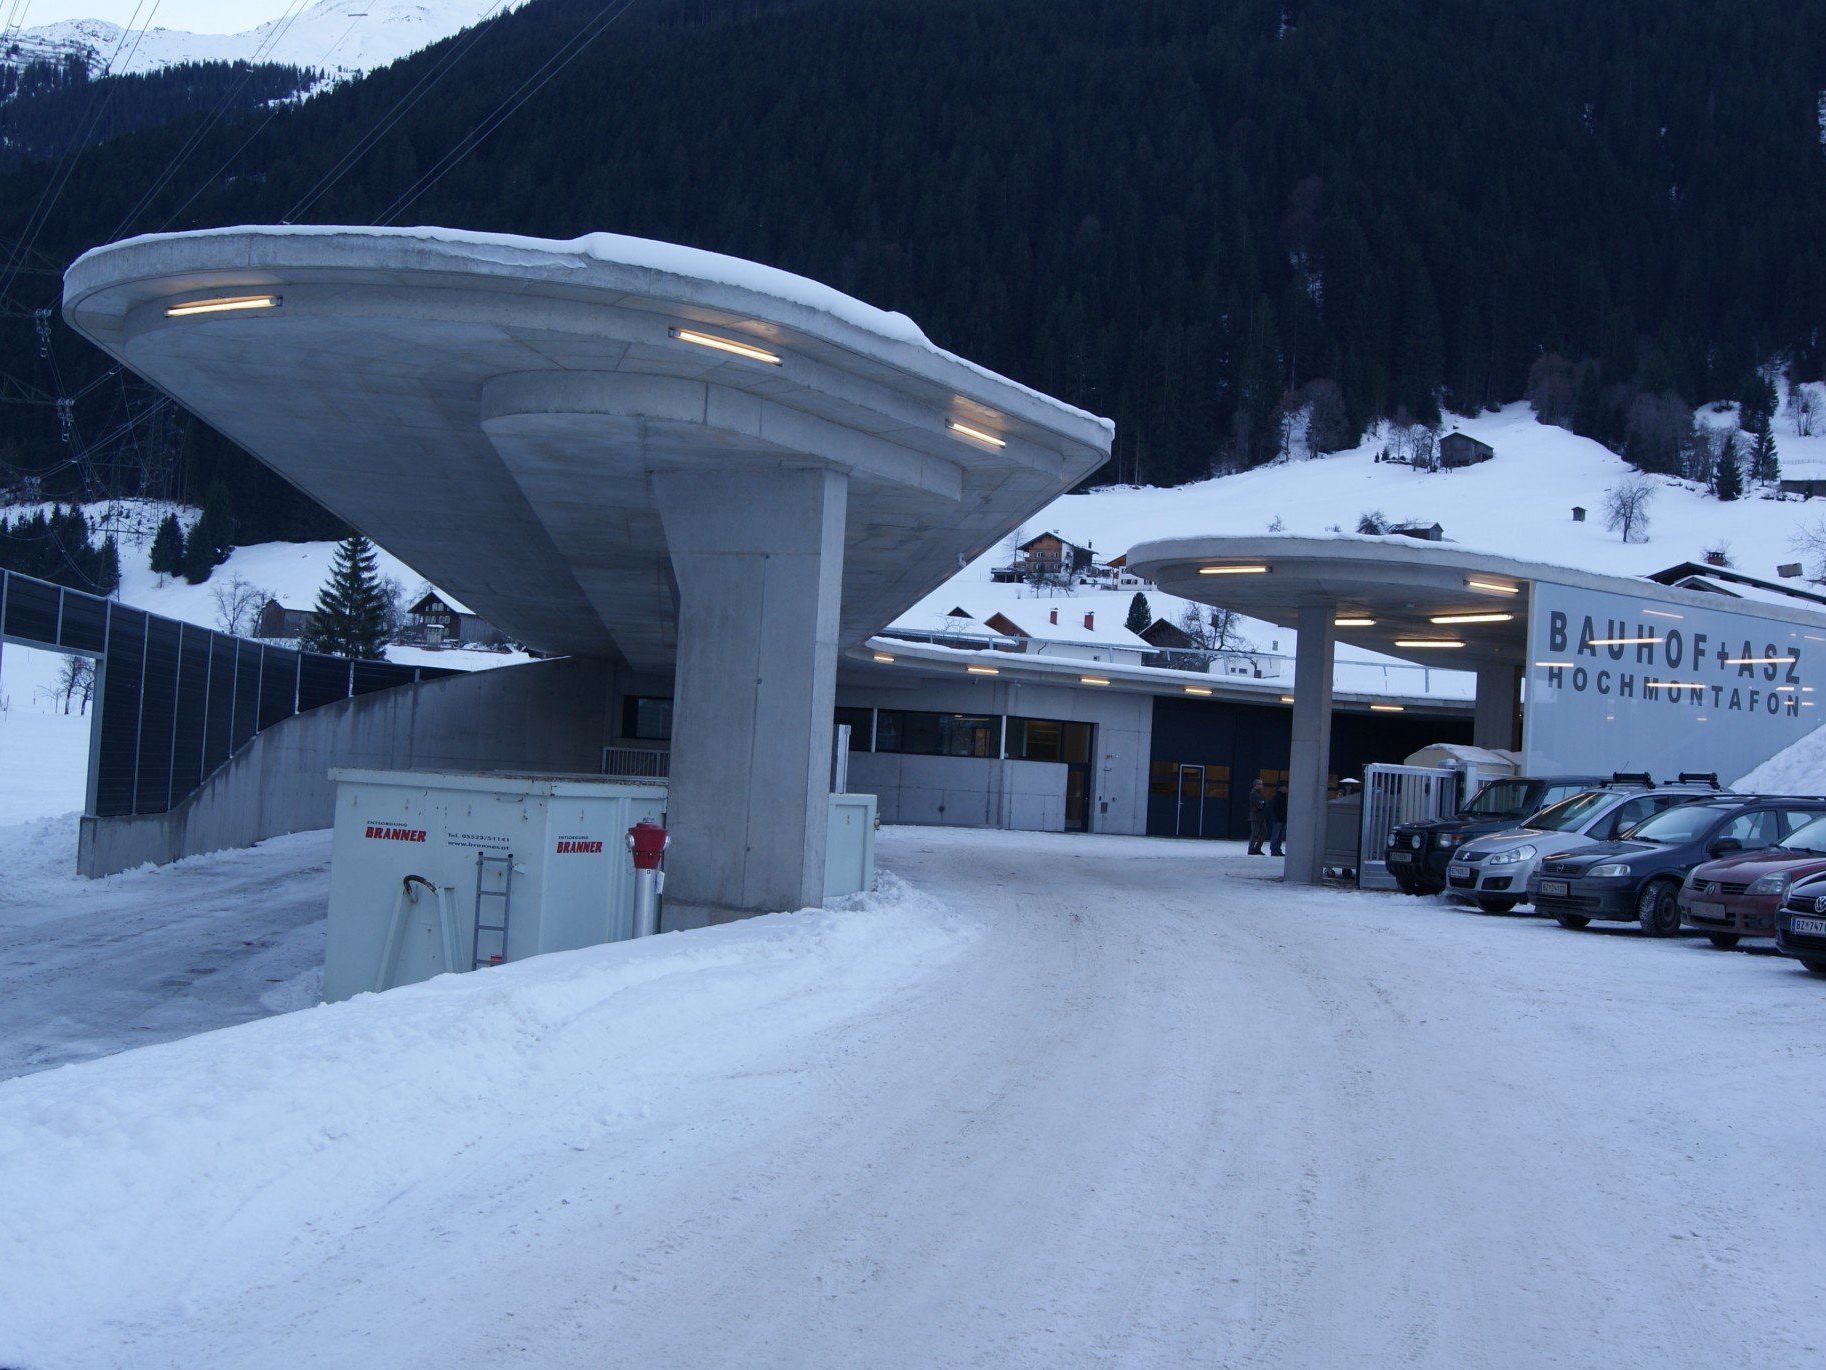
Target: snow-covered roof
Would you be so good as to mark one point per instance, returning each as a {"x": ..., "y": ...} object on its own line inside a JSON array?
[{"x": 1034, "y": 618}]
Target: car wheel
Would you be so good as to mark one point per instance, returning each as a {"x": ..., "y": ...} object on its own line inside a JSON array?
[
  {"x": 1496, "y": 905},
  {"x": 1724, "y": 941},
  {"x": 1571, "y": 920},
  {"x": 1658, "y": 908},
  {"x": 1814, "y": 964}
]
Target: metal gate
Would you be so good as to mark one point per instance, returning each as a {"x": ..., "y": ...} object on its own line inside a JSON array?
[{"x": 1394, "y": 795}]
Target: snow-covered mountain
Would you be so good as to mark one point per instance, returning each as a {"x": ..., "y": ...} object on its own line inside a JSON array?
[{"x": 339, "y": 37}]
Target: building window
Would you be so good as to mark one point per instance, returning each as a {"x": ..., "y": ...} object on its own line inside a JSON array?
[
  {"x": 1047, "y": 739},
  {"x": 862, "y": 722},
  {"x": 916, "y": 733},
  {"x": 647, "y": 718}
]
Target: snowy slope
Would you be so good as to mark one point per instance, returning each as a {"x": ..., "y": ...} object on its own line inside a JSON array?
[
  {"x": 340, "y": 37},
  {"x": 1518, "y": 504},
  {"x": 1798, "y": 769}
]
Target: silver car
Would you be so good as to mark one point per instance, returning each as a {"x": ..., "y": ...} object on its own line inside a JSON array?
[{"x": 1493, "y": 871}]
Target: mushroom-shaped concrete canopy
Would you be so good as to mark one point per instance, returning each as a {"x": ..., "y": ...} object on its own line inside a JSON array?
[
  {"x": 498, "y": 410},
  {"x": 617, "y": 448}
]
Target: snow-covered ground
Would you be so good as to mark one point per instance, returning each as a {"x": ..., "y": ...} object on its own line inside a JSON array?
[
  {"x": 93, "y": 967},
  {"x": 44, "y": 752},
  {"x": 1054, "y": 1101}
]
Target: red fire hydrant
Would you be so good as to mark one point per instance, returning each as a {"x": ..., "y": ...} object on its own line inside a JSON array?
[{"x": 648, "y": 841}]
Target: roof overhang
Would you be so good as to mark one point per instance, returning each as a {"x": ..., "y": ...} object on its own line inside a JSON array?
[
  {"x": 1402, "y": 587},
  {"x": 491, "y": 409}
]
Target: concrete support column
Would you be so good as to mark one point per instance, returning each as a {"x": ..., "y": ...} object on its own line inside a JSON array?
[
  {"x": 758, "y": 556},
  {"x": 1310, "y": 768},
  {"x": 1498, "y": 702}
]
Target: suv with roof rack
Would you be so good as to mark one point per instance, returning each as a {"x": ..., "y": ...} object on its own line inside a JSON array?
[
  {"x": 1638, "y": 877},
  {"x": 1493, "y": 872},
  {"x": 1418, "y": 853}
]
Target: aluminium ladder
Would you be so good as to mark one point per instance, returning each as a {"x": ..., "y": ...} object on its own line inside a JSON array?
[{"x": 500, "y": 865}]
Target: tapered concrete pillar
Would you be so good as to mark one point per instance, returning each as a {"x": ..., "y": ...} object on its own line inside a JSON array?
[
  {"x": 758, "y": 557},
  {"x": 1309, "y": 770},
  {"x": 1498, "y": 704}
]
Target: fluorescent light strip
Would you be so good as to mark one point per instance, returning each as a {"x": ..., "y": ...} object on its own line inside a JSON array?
[
  {"x": 1092, "y": 680},
  {"x": 1427, "y": 642},
  {"x": 1197, "y": 690},
  {"x": 883, "y": 656},
  {"x": 1388, "y": 708},
  {"x": 1472, "y": 618},
  {"x": 740, "y": 349},
  {"x": 227, "y": 304},
  {"x": 1493, "y": 585},
  {"x": 1624, "y": 641},
  {"x": 1233, "y": 570},
  {"x": 1353, "y": 623},
  {"x": 1286, "y": 699},
  {"x": 979, "y": 434},
  {"x": 982, "y": 670}
]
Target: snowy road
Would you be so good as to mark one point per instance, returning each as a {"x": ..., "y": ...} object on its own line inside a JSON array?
[
  {"x": 92, "y": 967},
  {"x": 1130, "y": 1103}
]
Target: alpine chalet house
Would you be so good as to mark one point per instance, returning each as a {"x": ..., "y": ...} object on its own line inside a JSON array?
[{"x": 437, "y": 620}]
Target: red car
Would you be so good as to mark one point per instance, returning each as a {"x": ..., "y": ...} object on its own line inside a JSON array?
[{"x": 1736, "y": 896}]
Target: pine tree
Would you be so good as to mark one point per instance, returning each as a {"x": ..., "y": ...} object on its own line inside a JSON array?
[
  {"x": 351, "y": 614},
  {"x": 167, "y": 557},
  {"x": 1765, "y": 466},
  {"x": 212, "y": 536},
  {"x": 1140, "y": 616},
  {"x": 107, "y": 567},
  {"x": 1728, "y": 480}
]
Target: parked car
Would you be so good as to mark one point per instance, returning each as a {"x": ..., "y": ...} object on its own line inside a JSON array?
[
  {"x": 1800, "y": 925},
  {"x": 1737, "y": 896},
  {"x": 1493, "y": 872},
  {"x": 1638, "y": 877},
  {"x": 1418, "y": 853}
]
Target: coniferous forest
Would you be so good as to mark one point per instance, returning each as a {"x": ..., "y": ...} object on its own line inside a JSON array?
[{"x": 1187, "y": 214}]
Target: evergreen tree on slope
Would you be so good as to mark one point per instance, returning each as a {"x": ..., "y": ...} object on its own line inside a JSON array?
[
  {"x": 1139, "y": 613},
  {"x": 351, "y": 615},
  {"x": 1728, "y": 481},
  {"x": 167, "y": 558}
]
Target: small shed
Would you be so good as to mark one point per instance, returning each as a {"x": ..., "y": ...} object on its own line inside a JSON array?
[
  {"x": 281, "y": 623},
  {"x": 1578, "y": 513},
  {"x": 1425, "y": 532},
  {"x": 1461, "y": 449}
]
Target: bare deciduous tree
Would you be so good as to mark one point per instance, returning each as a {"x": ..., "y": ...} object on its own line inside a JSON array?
[
  {"x": 1809, "y": 541},
  {"x": 238, "y": 606},
  {"x": 1626, "y": 508}
]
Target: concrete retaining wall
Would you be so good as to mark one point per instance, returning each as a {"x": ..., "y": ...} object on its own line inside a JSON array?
[{"x": 545, "y": 716}]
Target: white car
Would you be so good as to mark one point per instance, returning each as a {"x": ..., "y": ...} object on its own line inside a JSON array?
[{"x": 1493, "y": 871}]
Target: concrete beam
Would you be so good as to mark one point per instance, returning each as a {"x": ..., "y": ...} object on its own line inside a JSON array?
[
  {"x": 758, "y": 556},
  {"x": 1309, "y": 770}
]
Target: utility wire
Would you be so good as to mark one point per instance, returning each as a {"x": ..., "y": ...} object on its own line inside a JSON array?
[{"x": 567, "y": 53}]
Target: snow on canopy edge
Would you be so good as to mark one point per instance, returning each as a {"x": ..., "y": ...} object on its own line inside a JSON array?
[{"x": 651, "y": 254}]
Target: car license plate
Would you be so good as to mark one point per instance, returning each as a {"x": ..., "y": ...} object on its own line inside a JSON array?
[
  {"x": 1399, "y": 858},
  {"x": 1701, "y": 908},
  {"x": 1458, "y": 872},
  {"x": 1809, "y": 927},
  {"x": 1553, "y": 888}
]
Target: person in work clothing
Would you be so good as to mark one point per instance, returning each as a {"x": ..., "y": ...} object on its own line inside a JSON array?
[{"x": 1258, "y": 818}]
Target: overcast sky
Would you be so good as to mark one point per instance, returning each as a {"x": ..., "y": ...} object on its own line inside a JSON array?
[{"x": 198, "y": 16}]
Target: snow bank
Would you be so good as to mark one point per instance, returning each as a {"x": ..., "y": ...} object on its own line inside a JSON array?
[
  {"x": 143, "y": 1183},
  {"x": 1799, "y": 768}
]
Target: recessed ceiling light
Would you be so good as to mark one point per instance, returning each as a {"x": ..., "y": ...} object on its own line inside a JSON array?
[
  {"x": 1428, "y": 642},
  {"x": 227, "y": 304},
  {"x": 1092, "y": 680},
  {"x": 1255, "y": 570},
  {"x": 1197, "y": 690},
  {"x": 982, "y": 670},
  {"x": 1495, "y": 586},
  {"x": 980, "y": 434},
  {"x": 1472, "y": 618},
  {"x": 1388, "y": 708},
  {"x": 883, "y": 656},
  {"x": 740, "y": 349},
  {"x": 1353, "y": 623}
]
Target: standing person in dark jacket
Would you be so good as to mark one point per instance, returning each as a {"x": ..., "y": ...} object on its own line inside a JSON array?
[
  {"x": 1258, "y": 818},
  {"x": 1277, "y": 821}
]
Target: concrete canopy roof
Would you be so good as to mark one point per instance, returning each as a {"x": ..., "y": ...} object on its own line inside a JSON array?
[
  {"x": 1400, "y": 583},
  {"x": 491, "y": 408}
]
